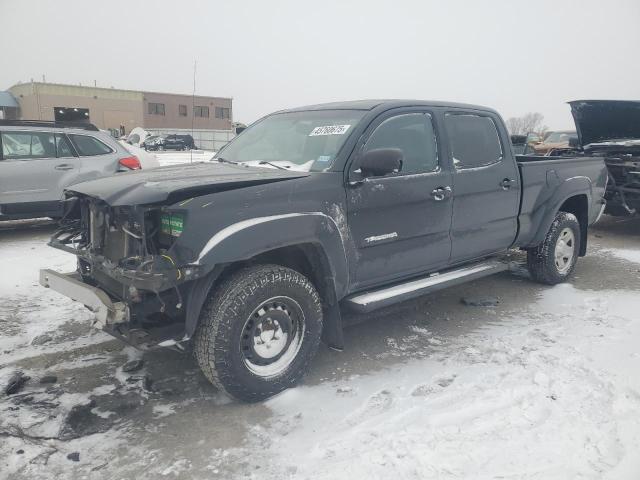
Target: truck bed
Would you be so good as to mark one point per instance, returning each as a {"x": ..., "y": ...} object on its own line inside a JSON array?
[{"x": 544, "y": 180}]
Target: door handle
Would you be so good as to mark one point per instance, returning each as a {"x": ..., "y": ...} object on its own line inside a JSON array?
[
  {"x": 441, "y": 193},
  {"x": 64, "y": 166},
  {"x": 506, "y": 183}
]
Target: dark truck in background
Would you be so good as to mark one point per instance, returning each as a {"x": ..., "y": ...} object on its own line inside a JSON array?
[
  {"x": 610, "y": 129},
  {"x": 311, "y": 211}
]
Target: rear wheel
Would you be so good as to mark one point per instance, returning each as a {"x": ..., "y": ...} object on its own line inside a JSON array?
[
  {"x": 554, "y": 260},
  {"x": 259, "y": 331}
]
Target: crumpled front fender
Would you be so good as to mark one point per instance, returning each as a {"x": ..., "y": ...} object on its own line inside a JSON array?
[{"x": 248, "y": 238}]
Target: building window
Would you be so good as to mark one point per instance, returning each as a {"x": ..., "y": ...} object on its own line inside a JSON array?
[
  {"x": 202, "y": 112},
  {"x": 222, "y": 112},
  {"x": 156, "y": 108},
  {"x": 71, "y": 114},
  {"x": 182, "y": 110}
]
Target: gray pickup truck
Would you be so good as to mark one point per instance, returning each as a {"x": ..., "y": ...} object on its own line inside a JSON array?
[{"x": 307, "y": 213}]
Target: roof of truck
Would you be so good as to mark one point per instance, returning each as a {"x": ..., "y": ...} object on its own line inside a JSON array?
[{"x": 389, "y": 103}]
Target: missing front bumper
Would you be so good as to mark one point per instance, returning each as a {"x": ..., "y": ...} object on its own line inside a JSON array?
[
  {"x": 113, "y": 317},
  {"x": 98, "y": 301}
]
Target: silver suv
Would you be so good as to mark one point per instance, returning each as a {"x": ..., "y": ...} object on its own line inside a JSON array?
[{"x": 38, "y": 160}]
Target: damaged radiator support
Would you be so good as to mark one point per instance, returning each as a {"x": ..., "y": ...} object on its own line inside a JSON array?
[{"x": 139, "y": 298}]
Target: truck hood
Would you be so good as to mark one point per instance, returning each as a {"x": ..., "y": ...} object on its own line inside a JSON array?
[
  {"x": 167, "y": 185},
  {"x": 606, "y": 120}
]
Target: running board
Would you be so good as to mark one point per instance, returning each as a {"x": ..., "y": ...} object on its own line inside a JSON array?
[{"x": 374, "y": 299}]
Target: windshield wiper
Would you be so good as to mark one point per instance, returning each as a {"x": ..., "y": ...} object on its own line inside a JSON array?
[
  {"x": 224, "y": 160},
  {"x": 264, "y": 162}
]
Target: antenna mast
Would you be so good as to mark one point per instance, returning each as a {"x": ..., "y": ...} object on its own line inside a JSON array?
[{"x": 193, "y": 105}]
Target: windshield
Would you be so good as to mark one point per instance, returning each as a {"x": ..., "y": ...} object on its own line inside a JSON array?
[
  {"x": 306, "y": 141},
  {"x": 559, "y": 137}
]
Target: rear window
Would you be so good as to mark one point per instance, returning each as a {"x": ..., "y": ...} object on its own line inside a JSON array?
[
  {"x": 25, "y": 145},
  {"x": 89, "y": 146},
  {"x": 474, "y": 140}
]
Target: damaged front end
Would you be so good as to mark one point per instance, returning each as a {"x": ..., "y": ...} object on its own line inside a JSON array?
[
  {"x": 130, "y": 273},
  {"x": 623, "y": 189},
  {"x": 611, "y": 129}
]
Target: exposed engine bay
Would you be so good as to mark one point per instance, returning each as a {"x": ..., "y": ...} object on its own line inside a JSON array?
[
  {"x": 126, "y": 251},
  {"x": 611, "y": 129},
  {"x": 623, "y": 189}
]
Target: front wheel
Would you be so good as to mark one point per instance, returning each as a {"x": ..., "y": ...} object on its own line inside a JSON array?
[
  {"x": 554, "y": 260},
  {"x": 259, "y": 331}
]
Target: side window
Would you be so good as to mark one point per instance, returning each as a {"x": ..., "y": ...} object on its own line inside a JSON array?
[
  {"x": 25, "y": 145},
  {"x": 63, "y": 146},
  {"x": 474, "y": 140},
  {"x": 412, "y": 133},
  {"x": 87, "y": 146}
]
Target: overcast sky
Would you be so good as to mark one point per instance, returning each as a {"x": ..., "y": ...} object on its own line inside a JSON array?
[{"x": 515, "y": 56}]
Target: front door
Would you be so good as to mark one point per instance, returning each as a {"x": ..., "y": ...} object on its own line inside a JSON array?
[
  {"x": 400, "y": 223},
  {"x": 34, "y": 169},
  {"x": 486, "y": 187}
]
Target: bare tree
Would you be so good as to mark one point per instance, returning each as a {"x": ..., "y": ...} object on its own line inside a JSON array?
[{"x": 528, "y": 123}]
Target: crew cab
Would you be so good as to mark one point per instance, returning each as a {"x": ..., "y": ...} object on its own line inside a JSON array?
[{"x": 309, "y": 212}]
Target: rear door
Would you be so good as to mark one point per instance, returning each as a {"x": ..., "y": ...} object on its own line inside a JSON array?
[
  {"x": 400, "y": 223},
  {"x": 486, "y": 185},
  {"x": 34, "y": 168},
  {"x": 97, "y": 158}
]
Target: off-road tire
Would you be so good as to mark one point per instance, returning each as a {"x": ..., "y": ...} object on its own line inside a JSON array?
[
  {"x": 222, "y": 322},
  {"x": 541, "y": 259}
]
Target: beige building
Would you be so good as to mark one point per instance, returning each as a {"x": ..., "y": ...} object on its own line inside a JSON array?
[{"x": 123, "y": 110}]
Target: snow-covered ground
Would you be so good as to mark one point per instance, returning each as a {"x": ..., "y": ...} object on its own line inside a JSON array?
[
  {"x": 550, "y": 392},
  {"x": 625, "y": 254},
  {"x": 543, "y": 385}
]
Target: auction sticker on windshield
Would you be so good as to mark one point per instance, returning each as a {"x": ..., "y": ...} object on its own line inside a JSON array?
[{"x": 329, "y": 130}]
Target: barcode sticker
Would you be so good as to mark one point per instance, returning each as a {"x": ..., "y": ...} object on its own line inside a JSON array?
[{"x": 329, "y": 130}]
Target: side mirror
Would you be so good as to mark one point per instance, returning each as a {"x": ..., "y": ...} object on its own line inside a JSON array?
[
  {"x": 380, "y": 162},
  {"x": 574, "y": 142}
]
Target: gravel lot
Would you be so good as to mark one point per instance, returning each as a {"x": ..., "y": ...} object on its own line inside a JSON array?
[{"x": 542, "y": 384}]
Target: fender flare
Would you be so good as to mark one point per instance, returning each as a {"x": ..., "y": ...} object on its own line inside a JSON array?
[
  {"x": 571, "y": 187},
  {"x": 244, "y": 240}
]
